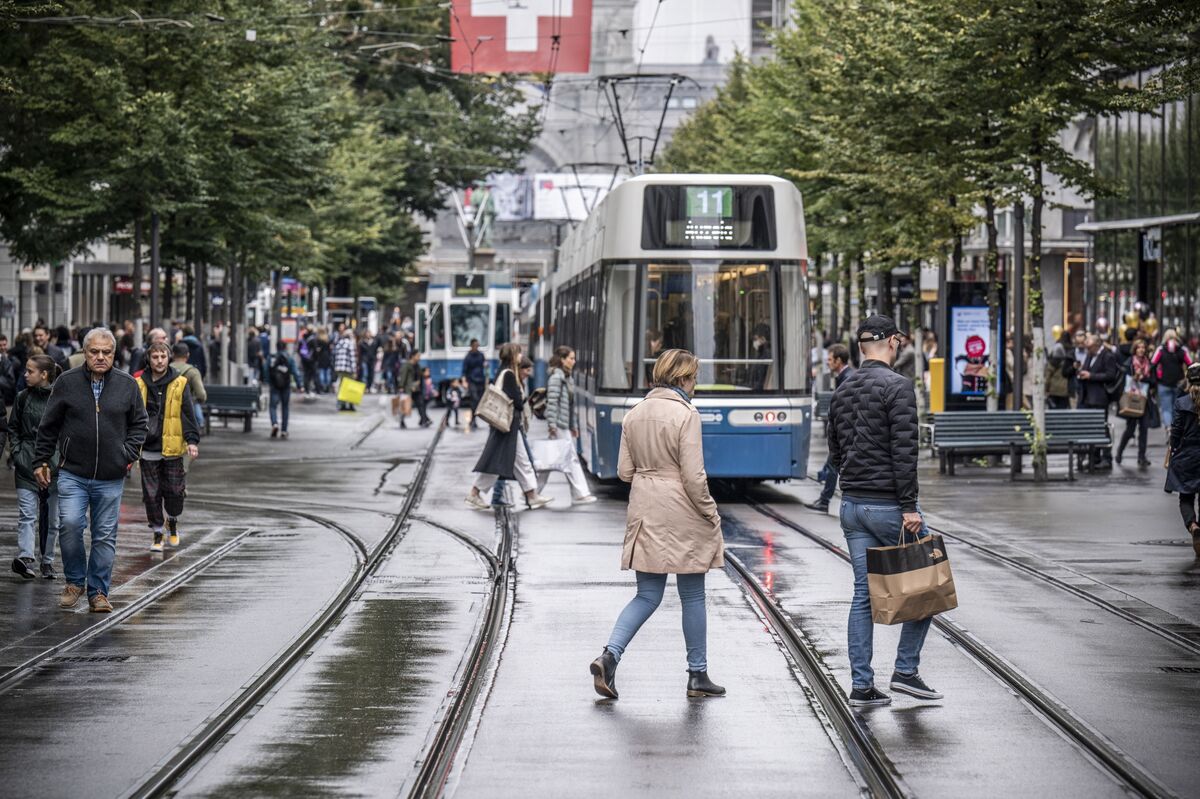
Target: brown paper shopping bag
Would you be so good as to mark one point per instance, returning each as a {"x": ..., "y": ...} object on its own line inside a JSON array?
[{"x": 910, "y": 581}]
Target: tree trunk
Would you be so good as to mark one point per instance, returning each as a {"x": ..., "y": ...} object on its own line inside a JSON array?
[
  {"x": 861, "y": 277},
  {"x": 992, "y": 263},
  {"x": 957, "y": 256},
  {"x": 137, "y": 282},
  {"x": 1037, "y": 308},
  {"x": 168, "y": 312},
  {"x": 846, "y": 275},
  {"x": 833, "y": 297},
  {"x": 819, "y": 303}
]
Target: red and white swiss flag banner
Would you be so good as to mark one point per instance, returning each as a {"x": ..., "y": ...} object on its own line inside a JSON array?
[{"x": 518, "y": 35}]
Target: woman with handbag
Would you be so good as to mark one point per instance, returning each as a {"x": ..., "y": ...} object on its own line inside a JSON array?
[
  {"x": 504, "y": 456},
  {"x": 1133, "y": 406},
  {"x": 672, "y": 525},
  {"x": 1183, "y": 466},
  {"x": 564, "y": 424}
]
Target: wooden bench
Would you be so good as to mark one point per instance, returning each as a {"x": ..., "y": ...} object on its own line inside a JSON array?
[
  {"x": 1007, "y": 432},
  {"x": 227, "y": 401}
]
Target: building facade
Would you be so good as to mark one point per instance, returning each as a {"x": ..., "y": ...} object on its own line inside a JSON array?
[{"x": 1146, "y": 238}]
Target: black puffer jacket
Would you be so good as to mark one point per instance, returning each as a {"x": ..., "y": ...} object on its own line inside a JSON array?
[{"x": 873, "y": 435}]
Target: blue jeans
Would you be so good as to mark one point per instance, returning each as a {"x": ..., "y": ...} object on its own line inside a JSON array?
[
  {"x": 28, "y": 515},
  {"x": 650, "y": 589},
  {"x": 199, "y": 409},
  {"x": 875, "y": 523},
  {"x": 1166, "y": 403},
  {"x": 278, "y": 397},
  {"x": 829, "y": 475},
  {"x": 324, "y": 378},
  {"x": 75, "y": 496}
]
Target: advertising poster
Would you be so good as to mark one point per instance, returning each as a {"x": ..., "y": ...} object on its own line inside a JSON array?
[{"x": 970, "y": 340}]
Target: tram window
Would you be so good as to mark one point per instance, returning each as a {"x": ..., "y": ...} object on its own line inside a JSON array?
[
  {"x": 722, "y": 312},
  {"x": 793, "y": 322},
  {"x": 504, "y": 325},
  {"x": 617, "y": 332},
  {"x": 437, "y": 327},
  {"x": 468, "y": 321}
]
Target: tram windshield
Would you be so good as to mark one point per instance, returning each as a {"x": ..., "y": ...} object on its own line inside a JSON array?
[
  {"x": 469, "y": 321},
  {"x": 722, "y": 311}
]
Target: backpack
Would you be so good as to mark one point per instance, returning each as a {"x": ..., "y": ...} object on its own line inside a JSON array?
[
  {"x": 281, "y": 373},
  {"x": 537, "y": 403}
]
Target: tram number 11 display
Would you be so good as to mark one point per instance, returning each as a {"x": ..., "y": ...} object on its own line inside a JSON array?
[{"x": 709, "y": 201}]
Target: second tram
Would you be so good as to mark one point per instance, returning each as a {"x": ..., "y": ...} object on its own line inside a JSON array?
[
  {"x": 715, "y": 264},
  {"x": 460, "y": 307}
]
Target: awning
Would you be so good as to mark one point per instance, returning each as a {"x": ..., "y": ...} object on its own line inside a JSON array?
[{"x": 1138, "y": 224}]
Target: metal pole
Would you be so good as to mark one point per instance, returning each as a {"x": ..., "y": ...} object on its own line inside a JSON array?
[
  {"x": 1018, "y": 288},
  {"x": 154, "y": 288}
]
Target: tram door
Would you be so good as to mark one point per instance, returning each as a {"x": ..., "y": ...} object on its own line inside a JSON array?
[{"x": 422, "y": 326}]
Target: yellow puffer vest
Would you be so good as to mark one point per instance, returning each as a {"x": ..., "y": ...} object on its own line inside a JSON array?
[{"x": 172, "y": 436}]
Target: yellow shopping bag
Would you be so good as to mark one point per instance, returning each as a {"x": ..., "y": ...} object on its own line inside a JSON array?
[{"x": 351, "y": 391}]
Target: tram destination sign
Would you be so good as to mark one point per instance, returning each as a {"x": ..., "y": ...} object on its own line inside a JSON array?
[
  {"x": 471, "y": 284},
  {"x": 708, "y": 217}
]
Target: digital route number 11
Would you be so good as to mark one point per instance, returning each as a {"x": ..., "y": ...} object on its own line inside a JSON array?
[{"x": 706, "y": 201}]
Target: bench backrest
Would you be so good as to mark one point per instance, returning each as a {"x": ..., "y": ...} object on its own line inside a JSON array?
[
  {"x": 1081, "y": 424},
  {"x": 998, "y": 427},
  {"x": 232, "y": 397},
  {"x": 1085, "y": 425},
  {"x": 823, "y": 401}
]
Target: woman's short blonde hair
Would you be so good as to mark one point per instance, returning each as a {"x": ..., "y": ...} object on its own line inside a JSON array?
[{"x": 675, "y": 366}]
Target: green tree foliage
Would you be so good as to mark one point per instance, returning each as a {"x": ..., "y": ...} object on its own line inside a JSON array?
[
  {"x": 897, "y": 117},
  {"x": 263, "y": 134}
]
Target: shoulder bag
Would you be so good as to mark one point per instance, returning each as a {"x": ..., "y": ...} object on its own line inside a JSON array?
[{"x": 495, "y": 407}]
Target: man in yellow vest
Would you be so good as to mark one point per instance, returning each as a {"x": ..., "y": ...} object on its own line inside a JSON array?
[{"x": 173, "y": 432}]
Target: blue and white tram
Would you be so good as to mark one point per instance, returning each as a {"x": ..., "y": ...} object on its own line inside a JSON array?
[
  {"x": 461, "y": 306},
  {"x": 715, "y": 264}
]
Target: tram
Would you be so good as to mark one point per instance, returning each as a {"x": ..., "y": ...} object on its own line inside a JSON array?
[
  {"x": 715, "y": 264},
  {"x": 460, "y": 306}
]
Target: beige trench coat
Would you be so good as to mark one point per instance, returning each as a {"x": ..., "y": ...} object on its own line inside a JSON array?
[{"x": 672, "y": 526}]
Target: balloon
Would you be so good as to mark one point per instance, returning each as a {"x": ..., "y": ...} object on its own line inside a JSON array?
[
  {"x": 1151, "y": 326},
  {"x": 1143, "y": 310},
  {"x": 1121, "y": 331},
  {"x": 1056, "y": 332},
  {"x": 1102, "y": 325},
  {"x": 1132, "y": 319}
]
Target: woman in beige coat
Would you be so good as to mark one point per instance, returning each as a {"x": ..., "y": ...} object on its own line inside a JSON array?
[{"x": 672, "y": 526}]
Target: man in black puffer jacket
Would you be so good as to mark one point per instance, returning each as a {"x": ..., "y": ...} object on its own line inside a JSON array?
[
  {"x": 96, "y": 418},
  {"x": 873, "y": 439}
]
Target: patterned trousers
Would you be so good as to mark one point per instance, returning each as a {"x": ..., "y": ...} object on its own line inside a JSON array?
[{"x": 164, "y": 483}]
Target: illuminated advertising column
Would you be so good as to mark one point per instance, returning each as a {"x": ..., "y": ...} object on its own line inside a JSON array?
[{"x": 969, "y": 358}]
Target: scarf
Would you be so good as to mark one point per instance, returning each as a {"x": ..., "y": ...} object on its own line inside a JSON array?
[{"x": 1141, "y": 368}]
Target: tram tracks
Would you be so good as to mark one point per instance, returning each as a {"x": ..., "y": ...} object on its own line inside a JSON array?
[
  {"x": 165, "y": 775},
  {"x": 123, "y": 612},
  {"x": 1102, "y": 750},
  {"x": 440, "y": 756},
  {"x": 1189, "y": 641},
  {"x": 879, "y": 777}
]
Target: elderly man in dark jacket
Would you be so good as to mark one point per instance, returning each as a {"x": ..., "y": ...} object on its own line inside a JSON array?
[
  {"x": 873, "y": 439},
  {"x": 1098, "y": 373},
  {"x": 95, "y": 417}
]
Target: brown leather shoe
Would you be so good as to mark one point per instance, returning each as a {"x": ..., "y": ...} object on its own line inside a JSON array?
[
  {"x": 70, "y": 596},
  {"x": 100, "y": 604}
]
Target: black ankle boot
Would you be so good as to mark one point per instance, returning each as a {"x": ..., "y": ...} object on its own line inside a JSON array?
[
  {"x": 700, "y": 685},
  {"x": 604, "y": 675}
]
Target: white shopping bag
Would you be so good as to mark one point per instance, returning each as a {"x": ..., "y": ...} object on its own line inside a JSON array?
[{"x": 552, "y": 454}]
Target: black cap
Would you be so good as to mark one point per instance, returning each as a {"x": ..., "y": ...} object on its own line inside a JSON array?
[{"x": 876, "y": 328}]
